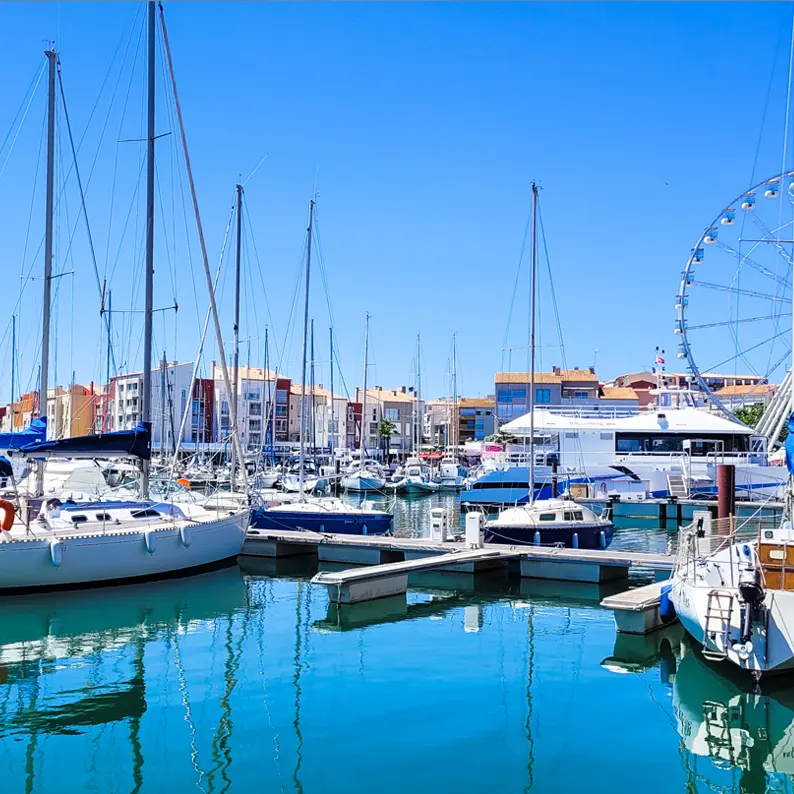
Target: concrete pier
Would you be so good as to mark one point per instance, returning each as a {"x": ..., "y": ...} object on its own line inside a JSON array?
[
  {"x": 381, "y": 581},
  {"x": 637, "y": 611}
]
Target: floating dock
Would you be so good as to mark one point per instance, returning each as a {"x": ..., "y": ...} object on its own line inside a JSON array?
[
  {"x": 637, "y": 611},
  {"x": 395, "y": 559}
]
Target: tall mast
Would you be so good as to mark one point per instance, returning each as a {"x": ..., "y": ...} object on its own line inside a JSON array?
[
  {"x": 331, "y": 426},
  {"x": 162, "y": 409},
  {"x": 268, "y": 401},
  {"x": 418, "y": 441},
  {"x": 13, "y": 366},
  {"x": 146, "y": 413},
  {"x": 106, "y": 412},
  {"x": 52, "y": 58},
  {"x": 455, "y": 420},
  {"x": 533, "y": 276},
  {"x": 302, "y": 456},
  {"x": 364, "y": 434},
  {"x": 236, "y": 358},
  {"x": 312, "y": 400}
]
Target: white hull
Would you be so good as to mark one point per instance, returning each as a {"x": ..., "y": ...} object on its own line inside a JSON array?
[
  {"x": 358, "y": 483},
  {"x": 117, "y": 554}
]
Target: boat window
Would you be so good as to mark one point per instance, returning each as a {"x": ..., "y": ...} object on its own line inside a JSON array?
[
  {"x": 103, "y": 517},
  {"x": 574, "y": 515},
  {"x": 145, "y": 514},
  {"x": 547, "y": 516},
  {"x": 79, "y": 519}
]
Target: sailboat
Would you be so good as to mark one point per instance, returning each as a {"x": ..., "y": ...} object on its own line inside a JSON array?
[
  {"x": 317, "y": 513},
  {"x": 451, "y": 476},
  {"x": 77, "y": 544},
  {"x": 556, "y": 522}
]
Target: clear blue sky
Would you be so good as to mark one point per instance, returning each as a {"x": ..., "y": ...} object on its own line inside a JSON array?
[{"x": 421, "y": 127}]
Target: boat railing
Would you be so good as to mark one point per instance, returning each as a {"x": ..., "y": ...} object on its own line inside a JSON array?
[{"x": 702, "y": 539}]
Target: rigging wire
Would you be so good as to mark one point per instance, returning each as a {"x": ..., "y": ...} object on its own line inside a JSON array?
[{"x": 21, "y": 123}]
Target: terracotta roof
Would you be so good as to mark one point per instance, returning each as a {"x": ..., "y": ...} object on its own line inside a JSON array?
[
  {"x": 476, "y": 402},
  {"x": 319, "y": 391},
  {"x": 742, "y": 391},
  {"x": 388, "y": 395},
  {"x": 243, "y": 372},
  {"x": 523, "y": 377},
  {"x": 559, "y": 376},
  {"x": 618, "y": 393},
  {"x": 578, "y": 374}
]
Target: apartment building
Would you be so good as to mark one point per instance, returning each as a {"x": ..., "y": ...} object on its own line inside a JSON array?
[{"x": 399, "y": 406}]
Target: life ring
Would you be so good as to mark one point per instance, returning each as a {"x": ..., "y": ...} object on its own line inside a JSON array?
[
  {"x": 183, "y": 482},
  {"x": 9, "y": 515}
]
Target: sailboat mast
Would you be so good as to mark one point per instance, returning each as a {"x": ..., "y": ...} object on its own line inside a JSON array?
[
  {"x": 312, "y": 399},
  {"x": 106, "y": 417},
  {"x": 455, "y": 420},
  {"x": 331, "y": 426},
  {"x": 13, "y": 367},
  {"x": 302, "y": 455},
  {"x": 418, "y": 442},
  {"x": 362, "y": 442},
  {"x": 162, "y": 409},
  {"x": 533, "y": 281},
  {"x": 236, "y": 358},
  {"x": 146, "y": 412},
  {"x": 52, "y": 58}
]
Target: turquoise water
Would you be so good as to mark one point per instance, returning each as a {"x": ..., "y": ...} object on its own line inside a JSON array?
[{"x": 246, "y": 679}]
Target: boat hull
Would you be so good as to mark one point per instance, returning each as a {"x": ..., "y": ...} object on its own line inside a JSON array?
[
  {"x": 336, "y": 523},
  {"x": 118, "y": 555},
  {"x": 362, "y": 484},
  {"x": 588, "y": 536}
]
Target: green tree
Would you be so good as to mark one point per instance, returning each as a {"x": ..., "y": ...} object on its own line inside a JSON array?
[
  {"x": 750, "y": 414},
  {"x": 386, "y": 429},
  {"x": 500, "y": 437}
]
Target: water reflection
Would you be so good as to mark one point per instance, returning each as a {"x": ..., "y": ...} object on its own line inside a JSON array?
[{"x": 733, "y": 737}]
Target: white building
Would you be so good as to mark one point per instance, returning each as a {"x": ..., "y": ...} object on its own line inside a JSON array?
[
  {"x": 321, "y": 431},
  {"x": 399, "y": 406},
  {"x": 258, "y": 392},
  {"x": 171, "y": 386}
]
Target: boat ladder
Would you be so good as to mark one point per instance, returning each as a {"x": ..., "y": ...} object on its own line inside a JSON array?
[{"x": 716, "y": 631}]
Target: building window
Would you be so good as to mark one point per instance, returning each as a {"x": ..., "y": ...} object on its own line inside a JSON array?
[
  {"x": 224, "y": 408},
  {"x": 255, "y": 425},
  {"x": 392, "y": 414},
  {"x": 255, "y": 409},
  {"x": 580, "y": 395},
  {"x": 373, "y": 428},
  {"x": 281, "y": 410},
  {"x": 542, "y": 395}
]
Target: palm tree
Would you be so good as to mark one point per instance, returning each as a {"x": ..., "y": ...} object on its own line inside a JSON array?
[{"x": 386, "y": 429}]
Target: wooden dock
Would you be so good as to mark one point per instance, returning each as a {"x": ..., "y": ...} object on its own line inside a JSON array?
[{"x": 395, "y": 559}]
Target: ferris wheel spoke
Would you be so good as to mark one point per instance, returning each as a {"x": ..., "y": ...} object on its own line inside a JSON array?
[
  {"x": 741, "y": 353},
  {"x": 744, "y": 259},
  {"x": 746, "y": 292},
  {"x": 770, "y": 236},
  {"x": 737, "y": 322}
]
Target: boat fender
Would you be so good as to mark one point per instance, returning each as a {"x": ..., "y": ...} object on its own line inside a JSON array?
[
  {"x": 575, "y": 540},
  {"x": 148, "y": 538},
  {"x": 184, "y": 482},
  {"x": 184, "y": 535},
  {"x": 666, "y": 606},
  {"x": 364, "y": 529},
  {"x": 602, "y": 539},
  {"x": 536, "y": 538},
  {"x": 8, "y": 515},
  {"x": 56, "y": 552}
]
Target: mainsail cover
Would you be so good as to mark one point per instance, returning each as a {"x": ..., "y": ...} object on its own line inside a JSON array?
[
  {"x": 135, "y": 443},
  {"x": 30, "y": 435}
]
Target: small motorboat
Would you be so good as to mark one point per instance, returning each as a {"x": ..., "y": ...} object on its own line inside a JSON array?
[
  {"x": 366, "y": 477},
  {"x": 551, "y": 522},
  {"x": 415, "y": 479},
  {"x": 451, "y": 475}
]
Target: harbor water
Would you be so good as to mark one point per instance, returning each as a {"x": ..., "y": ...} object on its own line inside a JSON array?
[{"x": 247, "y": 679}]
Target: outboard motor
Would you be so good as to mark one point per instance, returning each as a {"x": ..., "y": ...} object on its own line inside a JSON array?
[{"x": 751, "y": 594}]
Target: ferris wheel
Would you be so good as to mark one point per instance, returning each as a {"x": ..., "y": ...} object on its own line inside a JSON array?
[{"x": 734, "y": 304}]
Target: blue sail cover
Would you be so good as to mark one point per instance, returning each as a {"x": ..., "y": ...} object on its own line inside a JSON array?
[
  {"x": 31, "y": 435},
  {"x": 135, "y": 443},
  {"x": 790, "y": 445}
]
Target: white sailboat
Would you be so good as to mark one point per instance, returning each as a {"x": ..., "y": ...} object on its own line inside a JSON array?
[{"x": 94, "y": 542}]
